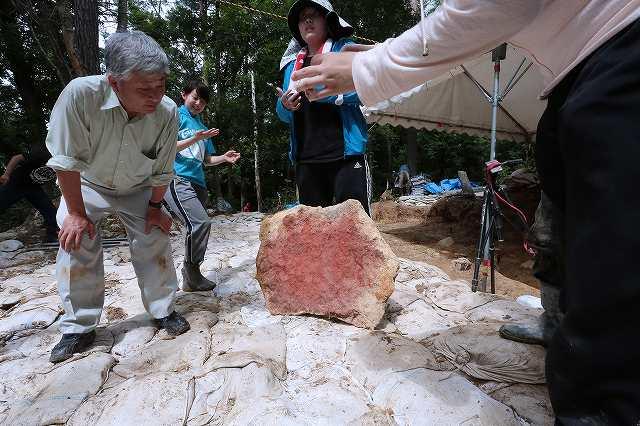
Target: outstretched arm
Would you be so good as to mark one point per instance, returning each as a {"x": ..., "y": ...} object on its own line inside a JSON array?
[
  {"x": 11, "y": 166},
  {"x": 228, "y": 157},
  {"x": 197, "y": 137},
  {"x": 458, "y": 30}
]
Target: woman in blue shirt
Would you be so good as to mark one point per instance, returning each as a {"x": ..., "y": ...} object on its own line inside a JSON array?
[{"x": 187, "y": 194}]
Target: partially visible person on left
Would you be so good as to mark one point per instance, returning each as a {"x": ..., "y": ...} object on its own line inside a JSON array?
[
  {"x": 21, "y": 180},
  {"x": 113, "y": 142}
]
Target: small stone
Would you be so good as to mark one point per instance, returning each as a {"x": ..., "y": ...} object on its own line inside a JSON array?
[
  {"x": 446, "y": 242},
  {"x": 10, "y": 245},
  {"x": 11, "y": 234},
  {"x": 123, "y": 254},
  {"x": 461, "y": 264}
]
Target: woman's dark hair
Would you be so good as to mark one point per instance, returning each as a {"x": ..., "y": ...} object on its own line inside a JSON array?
[{"x": 201, "y": 89}]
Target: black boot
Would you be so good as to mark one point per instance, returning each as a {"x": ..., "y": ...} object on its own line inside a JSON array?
[
  {"x": 531, "y": 333},
  {"x": 192, "y": 279},
  {"x": 70, "y": 344},
  {"x": 540, "y": 331},
  {"x": 174, "y": 323}
]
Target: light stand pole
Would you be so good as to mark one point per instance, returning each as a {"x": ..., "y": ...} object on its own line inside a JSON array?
[{"x": 486, "y": 255}]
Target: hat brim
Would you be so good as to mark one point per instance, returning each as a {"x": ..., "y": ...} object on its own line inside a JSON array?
[{"x": 336, "y": 26}]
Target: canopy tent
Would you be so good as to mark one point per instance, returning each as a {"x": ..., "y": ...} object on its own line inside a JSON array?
[{"x": 460, "y": 100}]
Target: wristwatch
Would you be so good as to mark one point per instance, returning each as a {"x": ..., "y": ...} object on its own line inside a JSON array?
[{"x": 155, "y": 205}]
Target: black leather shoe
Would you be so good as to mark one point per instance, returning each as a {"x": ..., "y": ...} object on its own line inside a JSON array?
[
  {"x": 70, "y": 344},
  {"x": 175, "y": 324}
]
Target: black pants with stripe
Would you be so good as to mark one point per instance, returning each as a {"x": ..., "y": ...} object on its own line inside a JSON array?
[
  {"x": 588, "y": 154},
  {"x": 326, "y": 184},
  {"x": 186, "y": 200}
]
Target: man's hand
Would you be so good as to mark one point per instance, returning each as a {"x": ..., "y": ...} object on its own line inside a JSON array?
[
  {"x": 330, "y": 71},
  {"x": 155, "y": 217},
  {"x": 290, "y": 100},
  {"x": 4, "y": 179},
  {"x": 231, "y": 156},
  {"x": 201, "y": 135},
  {"x": 70, "y": 235}
]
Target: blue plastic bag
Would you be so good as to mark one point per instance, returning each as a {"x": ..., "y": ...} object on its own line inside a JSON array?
[{"x": 433, "y": 188}]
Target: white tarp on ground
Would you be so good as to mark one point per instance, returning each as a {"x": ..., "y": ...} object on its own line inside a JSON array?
[
  {"x": 454, "y": 102},
  {"x": 239, "y": 365}
]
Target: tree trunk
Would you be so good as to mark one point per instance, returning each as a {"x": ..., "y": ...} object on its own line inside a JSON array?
[
  {"x": 230, "y": 185},
  {"x": 123, "y": 16},
  {"x": 44, "y": 28},
  {"x": 85, "y": 24},
  {"x": 389, "y": 165},
  {"x": 220, "y": 94},
  {"x": 217, "y": 188},
  {"x": 255, "y": 141},
  {"x": 68, "y": 37},
  {"x": 22, "y": 70},
  {"x": 243, "y": 197}
]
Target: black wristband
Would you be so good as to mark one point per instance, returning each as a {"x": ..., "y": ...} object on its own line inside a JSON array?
[{"x": 155, "y": 205}]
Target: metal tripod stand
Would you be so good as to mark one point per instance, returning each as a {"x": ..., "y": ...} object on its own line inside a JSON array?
[{"x": 491, "y": 228}]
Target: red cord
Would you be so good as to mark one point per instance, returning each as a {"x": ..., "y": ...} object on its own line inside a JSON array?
[
  {"x": 514, "y": 208},
  {"x": 527, "y": 249}
]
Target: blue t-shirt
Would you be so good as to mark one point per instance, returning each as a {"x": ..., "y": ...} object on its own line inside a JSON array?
[{"x": 189, "y": 161}]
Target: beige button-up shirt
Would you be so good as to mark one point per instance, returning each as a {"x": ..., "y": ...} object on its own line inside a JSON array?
[{"x": 90, "y": 132}]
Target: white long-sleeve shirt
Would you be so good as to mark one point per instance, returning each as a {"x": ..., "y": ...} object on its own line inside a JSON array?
[{"x": 557, "y": 34}]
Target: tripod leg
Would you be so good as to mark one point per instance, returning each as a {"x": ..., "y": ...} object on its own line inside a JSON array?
[
  {"x": 481, "y": 242},
  {"x": 492, "y": 259}
]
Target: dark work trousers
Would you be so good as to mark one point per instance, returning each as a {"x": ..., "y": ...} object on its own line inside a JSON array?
[
  {"x": 588, "y": 154},
  {"x": 187, "y": 201},
  {"x": 325, "y": 184},
  {"x": 12, "y": 192},
  {"x": 549, "y": 263}
]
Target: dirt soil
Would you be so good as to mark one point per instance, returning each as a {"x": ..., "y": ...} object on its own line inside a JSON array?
[{"x": 414, "y": 233}]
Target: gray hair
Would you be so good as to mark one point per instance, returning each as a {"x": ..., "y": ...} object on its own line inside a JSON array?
[{"x": 134, "y": 51}]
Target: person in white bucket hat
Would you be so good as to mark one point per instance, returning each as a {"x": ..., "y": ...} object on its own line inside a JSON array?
[{"x": 328, "y": 136}]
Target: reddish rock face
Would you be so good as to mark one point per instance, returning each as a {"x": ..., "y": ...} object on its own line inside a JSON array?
[{"x": 329, "y": 261}]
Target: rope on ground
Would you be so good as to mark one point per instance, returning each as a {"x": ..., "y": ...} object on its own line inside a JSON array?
[{"x": 273, "y": 15}]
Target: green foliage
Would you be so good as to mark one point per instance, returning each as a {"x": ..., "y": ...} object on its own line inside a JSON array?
[{"x": 221, "y": 44}]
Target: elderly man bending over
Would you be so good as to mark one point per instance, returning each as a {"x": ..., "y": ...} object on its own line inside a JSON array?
[{"x": 113, "y": 142}]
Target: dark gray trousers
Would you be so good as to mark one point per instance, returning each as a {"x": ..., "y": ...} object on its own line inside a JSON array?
[{"x": 187, "y": 201}]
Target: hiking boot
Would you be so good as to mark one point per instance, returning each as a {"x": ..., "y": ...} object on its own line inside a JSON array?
[
  {"x": 70, "y": 344},
  {"x": 175, "y": 324},
  {"x": 193, "y": 280}
]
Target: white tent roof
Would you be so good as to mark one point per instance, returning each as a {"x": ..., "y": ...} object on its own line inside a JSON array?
[{"x": 455, "y": 102}]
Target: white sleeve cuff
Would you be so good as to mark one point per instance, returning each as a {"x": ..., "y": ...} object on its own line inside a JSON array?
[{"x": 67, "y": 164}]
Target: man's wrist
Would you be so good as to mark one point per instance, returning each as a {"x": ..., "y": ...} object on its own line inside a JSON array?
[{"x": 155, "y": 204}]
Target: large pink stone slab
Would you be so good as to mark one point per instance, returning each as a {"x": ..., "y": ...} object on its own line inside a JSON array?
[{"x": 331, "y": 262}]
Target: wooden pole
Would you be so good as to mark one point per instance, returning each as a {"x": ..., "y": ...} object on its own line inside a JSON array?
[{"x": 255, "y": 141}]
